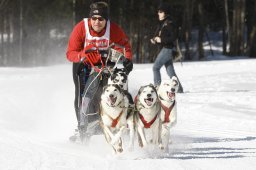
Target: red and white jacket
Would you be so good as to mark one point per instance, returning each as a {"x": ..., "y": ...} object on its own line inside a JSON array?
[{"x": 81, "y": 37}]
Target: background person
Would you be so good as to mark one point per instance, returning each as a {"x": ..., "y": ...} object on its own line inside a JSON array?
[{"x": 165, "y": 37}]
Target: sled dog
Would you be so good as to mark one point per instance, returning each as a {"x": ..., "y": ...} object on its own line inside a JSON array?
[
  {"x": 119, "y": 77},
  {"x": 147, "y": 110},
  {"x": 167, "y": 93},
  {"x": 114, "y": 116}
]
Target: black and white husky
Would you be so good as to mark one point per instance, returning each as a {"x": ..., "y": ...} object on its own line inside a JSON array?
[
  {"x": 147, "y": 120},
  {"x": 167, "y": 96},
  {"x": 119, "y": 77},
  {"x": 114, "y": 116}
]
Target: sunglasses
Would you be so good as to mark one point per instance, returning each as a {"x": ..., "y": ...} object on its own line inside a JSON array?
[{"x": 98, "y": 18}]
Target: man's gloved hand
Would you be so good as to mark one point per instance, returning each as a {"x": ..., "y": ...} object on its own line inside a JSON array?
[
  {"x": 93, "y": 57},
  {"x": 89, "y": 48},
  {"x": 128, "y": 65}
]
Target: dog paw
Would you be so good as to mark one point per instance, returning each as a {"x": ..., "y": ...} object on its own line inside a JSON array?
[
  {"x": 119, "y": 150},
  {"x": 143, "y": 145}
]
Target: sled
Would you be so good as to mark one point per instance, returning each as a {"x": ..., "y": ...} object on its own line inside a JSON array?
[{"x": 90, "y": 122}]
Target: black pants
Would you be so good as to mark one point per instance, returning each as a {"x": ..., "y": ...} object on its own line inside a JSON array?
[{"x": 80, "y": 76}]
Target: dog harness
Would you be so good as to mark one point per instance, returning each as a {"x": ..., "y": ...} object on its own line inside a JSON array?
[
  {"x": 115, "y": 121},
  {"x": 167, "y": 112},
  {"x": 147, "y": 124}
]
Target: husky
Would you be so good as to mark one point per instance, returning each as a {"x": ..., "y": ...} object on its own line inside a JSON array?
[
  {"x": 167, "y": 95},
  {"x": 114, "y": 116},
  {"x": 119, "y": 77},
  {"x": 147, "y": 110}
]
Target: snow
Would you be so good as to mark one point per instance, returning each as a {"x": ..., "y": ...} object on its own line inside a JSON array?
[{"x": 216, "y": 126}]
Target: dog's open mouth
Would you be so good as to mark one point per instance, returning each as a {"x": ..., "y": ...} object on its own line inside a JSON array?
[
  {"x": 112, "y": 100},
  {"x": 149, "y": 101},
  {"x": 170, "y": 95}
]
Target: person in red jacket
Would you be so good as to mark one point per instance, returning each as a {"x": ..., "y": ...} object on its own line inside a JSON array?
[{"x": 94, "y": 32}]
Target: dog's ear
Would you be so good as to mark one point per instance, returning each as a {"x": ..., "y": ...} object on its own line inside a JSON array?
[
  {"x": 124, "y": 74},
  {"x": 152, "y": 86},
  {"x": 176, "y": 83},
  {"x": 105, "y": 87},
  {"x": 117, "y": 87},
  {"x": 141, "y": 89},
  {"x": 113, "y": 76},
  {"x": 115, "y": 70},
  {"x": 174, "y": 78},
  {"x": 125, "y": 71}
]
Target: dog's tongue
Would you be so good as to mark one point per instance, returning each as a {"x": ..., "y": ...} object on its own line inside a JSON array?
[
  {"x": 149, "y": 101},
  {"x": 112, "y": 100},
  {"x": 170, "y": 94}
]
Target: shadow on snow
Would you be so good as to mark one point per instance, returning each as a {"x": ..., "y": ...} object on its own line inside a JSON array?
[{"x": 182, "y": 148}]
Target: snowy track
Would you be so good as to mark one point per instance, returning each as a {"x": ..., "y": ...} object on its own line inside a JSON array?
[{"x": 216, "y": 126}]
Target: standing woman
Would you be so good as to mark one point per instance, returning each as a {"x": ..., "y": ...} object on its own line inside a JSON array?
[{"x": 165, "y": 37}]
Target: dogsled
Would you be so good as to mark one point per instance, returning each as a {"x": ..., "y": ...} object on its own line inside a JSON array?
[{"x": 89, "y": 120}]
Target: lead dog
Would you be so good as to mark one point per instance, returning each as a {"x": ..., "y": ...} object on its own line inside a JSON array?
[
  {"x": 147, "y": 109},
  {"x": 114, "y": 116},
  {"x": 167, "y": 96}
]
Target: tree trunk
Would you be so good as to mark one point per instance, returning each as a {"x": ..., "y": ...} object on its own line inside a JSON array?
[
  {"x": 2, "y": 39},
  {"x": 251, "y": 36},
  {"x": 201, "y": 31},
  {"x": 226, "y": 29},
  {"x": 8, "y": 33},
  {"x": 187, "y": 24},
  {"x": 74, "y": 12},
  {"x": 20, "y": 61},
  {"x": 237, "y": 38}
]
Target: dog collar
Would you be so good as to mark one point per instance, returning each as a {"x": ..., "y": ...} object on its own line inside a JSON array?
[{"x": 167, "y": 111}]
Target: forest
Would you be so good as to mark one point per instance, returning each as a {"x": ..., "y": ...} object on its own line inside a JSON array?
[{"x": 35, "y": 33}]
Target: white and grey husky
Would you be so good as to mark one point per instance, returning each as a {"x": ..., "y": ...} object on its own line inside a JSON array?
[
  {"x": 147, "y": 115},
  {"x": 114, "y": 116},
  {"x": 167, "y": 96}
]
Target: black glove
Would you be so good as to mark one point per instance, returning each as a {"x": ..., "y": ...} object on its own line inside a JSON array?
[{"x": 128, "y": 65}]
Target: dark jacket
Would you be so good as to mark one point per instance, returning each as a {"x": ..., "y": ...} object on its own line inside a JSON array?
[{"x": 166, "y": 31}]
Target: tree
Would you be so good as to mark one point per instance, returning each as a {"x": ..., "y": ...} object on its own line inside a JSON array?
[
  {"x": 187, "y": 26},
  {"x": 251, "y": 25},
  {"x": 201, "y": 31},
  {"x": 237, "y": 30}
]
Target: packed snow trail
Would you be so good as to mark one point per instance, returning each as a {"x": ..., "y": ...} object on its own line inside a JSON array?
[{"x": 215, "y": 129}]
